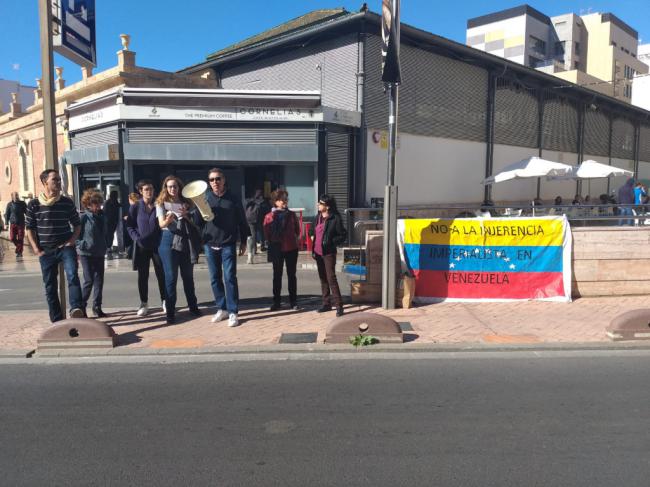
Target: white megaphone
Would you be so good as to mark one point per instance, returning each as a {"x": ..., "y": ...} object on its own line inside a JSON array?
[{"x": 195, "y": 191}]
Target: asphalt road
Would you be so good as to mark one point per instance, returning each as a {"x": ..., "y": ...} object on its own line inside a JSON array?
[
  {"x": 21, "y": 287},
  {"x": 503, "y": 421}
]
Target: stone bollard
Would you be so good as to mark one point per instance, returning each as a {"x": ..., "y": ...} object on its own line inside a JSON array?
[
  {"x": 631, "y": 325},
  {"x": 77, "y": 333},
  {"x": 383, "y": 328}
]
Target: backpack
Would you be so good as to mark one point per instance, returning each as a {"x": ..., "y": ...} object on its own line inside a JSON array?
[{"x": 253, "y": 211}]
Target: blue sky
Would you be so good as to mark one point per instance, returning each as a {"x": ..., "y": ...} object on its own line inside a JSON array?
[{"x": 172, "y": 34}]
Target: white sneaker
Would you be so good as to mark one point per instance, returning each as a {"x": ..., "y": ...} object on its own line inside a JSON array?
[
  {"x": 233, "y": 320},
  {"x": 164, "y": 306},
  {"x": 143, "y": 310},
  {"x": 219, "y": 316}
]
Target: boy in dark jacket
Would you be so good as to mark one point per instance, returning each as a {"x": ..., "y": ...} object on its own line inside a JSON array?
[{"x": 91, "y": 246}]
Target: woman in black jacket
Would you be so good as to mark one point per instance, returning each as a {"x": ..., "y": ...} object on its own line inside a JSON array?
[{"x": 328, "y": 234}]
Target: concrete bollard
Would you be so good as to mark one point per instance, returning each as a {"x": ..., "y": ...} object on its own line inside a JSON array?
[
  {"x": 76, "y": 333},
  {"x": 631, "y": 325},
  {"x": 385, "y": 329}
]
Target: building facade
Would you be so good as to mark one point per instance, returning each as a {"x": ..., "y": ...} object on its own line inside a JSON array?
[
  {"x": 464, "y": 114},
  {"x": 25, "y": 94},
  {"x": 596, "y": 50},
  {"x": 641, "y": 92}
]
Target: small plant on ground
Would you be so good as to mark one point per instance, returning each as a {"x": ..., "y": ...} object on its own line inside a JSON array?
[{"x": 363, "y": 340}]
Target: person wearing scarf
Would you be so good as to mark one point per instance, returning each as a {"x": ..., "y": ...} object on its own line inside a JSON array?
[
  {"x": 53, "y": 226},
  {"x": 282, "y": 231}
]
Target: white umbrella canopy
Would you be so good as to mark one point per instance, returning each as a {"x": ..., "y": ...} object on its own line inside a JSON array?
[
  {"x": 531, "y": 167},
  {"x": 593, "y": 170}
]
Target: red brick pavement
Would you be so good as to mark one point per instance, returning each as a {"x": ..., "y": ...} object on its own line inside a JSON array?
[{"x": 583, "y": 320}]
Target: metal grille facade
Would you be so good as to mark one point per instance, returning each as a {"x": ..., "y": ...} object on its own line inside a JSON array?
[
  {"x": 94, "y": 138},
  {"x": 597, "y": 126},
  {"x": 339, "y": 167},
  {"x": 440, "y": 97},
  {"x": 516, "y": 119},
  {"x": 559, "y": 124},
  {"x": 329, "y": 67},
  {"x": 622, "y": 138},
  {"x": 221, "y": 135},
  {"x": 644, "y": 143}
]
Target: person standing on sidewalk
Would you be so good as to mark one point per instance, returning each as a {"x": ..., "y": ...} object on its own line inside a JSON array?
[
  {"x": 328, "y": 234},
  {"x": 282, "y": 231},
  {"x": 53, "y": 226},
  {"x": 92, "y": 249},
  {"x": 177, "y": 249},
  {"x": 15, "y": 220},
  {"x": 112, "y": 215},
  {"x": 256, "y": 209},
  {"x": 220, "y": 238},
  {"x": 143, "y": 228}
]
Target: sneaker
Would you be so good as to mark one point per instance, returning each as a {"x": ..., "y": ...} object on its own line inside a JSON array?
[
  {"x": 97, "y": 311},
  {"x": 170, "y": 319},
  {"x": 219, "y": 316},
  {"x": 143, "y": 310},
  {"x": 233, "y": 320},
  {"x": 249, "y": 260},
  {"x": 275, "y": 307},
  {"x": 324, "y": 308},
  {"x": 196, "y": 312},
  {"x": 76, "y": 313},
  {"x": 164, "y": 306},
  {"x": 294, "y": 307},
  {"x": 339, "y": 311}
]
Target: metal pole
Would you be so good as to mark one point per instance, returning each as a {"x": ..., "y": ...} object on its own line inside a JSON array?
[
  {"x": 49, "y": 113},
  {"x": 390, "y": 207}
]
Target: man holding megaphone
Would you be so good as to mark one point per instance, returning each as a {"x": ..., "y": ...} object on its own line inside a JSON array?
[{"x": 220, "y": 235}]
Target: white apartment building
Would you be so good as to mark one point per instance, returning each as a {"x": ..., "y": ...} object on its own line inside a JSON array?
[{"x": 641, "y": 92}]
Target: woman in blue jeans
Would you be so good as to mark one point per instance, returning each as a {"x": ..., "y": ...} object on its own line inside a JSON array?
[{"x": 177, "y": 248}]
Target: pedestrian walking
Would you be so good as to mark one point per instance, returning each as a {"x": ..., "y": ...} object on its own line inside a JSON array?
[
  {"x": 112, "y": 214},
  {"x": 52, "y": 226},
  {"x": 282, "y": 231},
  {"x": 256, "y": 209},
  {"x": 91, "y": 247},
  {"x": 327, "y": 235},
  {"x": 15, "y": 220},
  {"x": 142, "y": 226},
  {"x": 220, "y": 237},
  {"x": 179, "y": 244}
]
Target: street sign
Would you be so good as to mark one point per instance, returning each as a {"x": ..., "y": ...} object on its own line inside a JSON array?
[{"x": 74, "y": 30}]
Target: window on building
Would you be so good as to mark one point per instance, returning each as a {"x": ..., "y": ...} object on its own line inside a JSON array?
[
  {"x": 560, "y": 24},
  {"x": 577, "y": 48},
  {"x": 559, "y": 48},
  {"x": 576, "y": 65},
  {"x": 534, "y": 62},
  {"x": 538, "y": 45},
  {"x": 627, "y": 91},
  {"x": 25, "y": 169},
  {"x": 612, "y": 43}
]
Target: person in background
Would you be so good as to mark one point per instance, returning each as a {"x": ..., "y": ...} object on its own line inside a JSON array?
[
  {"x": 142, "y": 226},
  {"x": 15, "y": 220},
  {"x": 177, "y": 249},
  {"x": 640, "y": 193},
  {"x": 256, "y": 209},
  {"x": 128, "y": 241},
  {"x": 220, "y": 238},
  {"x": 112, "y": 215},
  {"x": 626, "y": 197},
  {"x": 328, "y": 234},
  {"x": 53, "y": 226},
  {"x": 282, "y": 231},
  {"x": 91, "y": 247}
]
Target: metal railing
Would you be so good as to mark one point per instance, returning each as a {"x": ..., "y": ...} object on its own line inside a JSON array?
[{"x": 589, "y": 215}]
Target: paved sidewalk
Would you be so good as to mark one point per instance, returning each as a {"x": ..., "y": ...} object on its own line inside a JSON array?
[{"x": 582, "y": 321}]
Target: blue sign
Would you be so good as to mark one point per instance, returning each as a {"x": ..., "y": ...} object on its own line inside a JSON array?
[{"x": 75, "y": 36}]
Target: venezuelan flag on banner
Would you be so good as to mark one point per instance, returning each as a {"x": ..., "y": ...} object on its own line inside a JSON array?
[{"x": 495, "y": 259}]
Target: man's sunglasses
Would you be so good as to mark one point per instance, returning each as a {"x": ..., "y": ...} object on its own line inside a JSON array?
[{"x": 212, "y": 180}]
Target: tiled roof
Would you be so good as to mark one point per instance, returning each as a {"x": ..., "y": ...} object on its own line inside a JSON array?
[{"x": 308, "y": 20}]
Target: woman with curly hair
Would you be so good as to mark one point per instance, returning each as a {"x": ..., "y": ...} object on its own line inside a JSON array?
[
  {"x": 92, "y": 245},
  {"x": 177, "y": 217}
]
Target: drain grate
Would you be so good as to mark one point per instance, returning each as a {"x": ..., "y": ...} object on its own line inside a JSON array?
[
  {"x": 405, "y": 326},
  {"x": 299, "y": 337}
]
